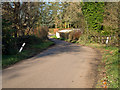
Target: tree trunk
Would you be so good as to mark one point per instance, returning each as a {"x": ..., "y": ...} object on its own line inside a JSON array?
[
  {"x": 68, "y": 25},
  {"x": 65, "y": 24}
]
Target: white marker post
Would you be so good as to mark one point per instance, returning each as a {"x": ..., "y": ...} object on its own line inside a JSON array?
[
  {"x": 57, "y": 35},
  {"x": 107, "y": 40},
  {"x": 22, "y": 47}
]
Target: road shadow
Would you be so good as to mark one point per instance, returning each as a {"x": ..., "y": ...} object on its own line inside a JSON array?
[{"x": 59, "y": 48}]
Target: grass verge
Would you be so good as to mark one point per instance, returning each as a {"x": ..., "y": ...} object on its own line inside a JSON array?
[
  {"x": 54, "y": 36},
  {"x": 28, "y": 52},
  {"x": 109, "y": 67}
]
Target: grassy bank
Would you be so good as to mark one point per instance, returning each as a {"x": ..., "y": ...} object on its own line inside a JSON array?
[
  {"x": 108, "y": 69},
  {"x": 27, "y": 52}
]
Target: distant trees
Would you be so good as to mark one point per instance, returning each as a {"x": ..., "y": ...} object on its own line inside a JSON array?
[
  {"x": 73, "y": 15},
  {"x": 27, "y": 18},
  {"x": 111, "y": 18},
  {"x": 67, "y": 14}
]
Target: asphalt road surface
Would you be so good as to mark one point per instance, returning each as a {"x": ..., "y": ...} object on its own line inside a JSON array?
[{"x": 64, "y": 65}]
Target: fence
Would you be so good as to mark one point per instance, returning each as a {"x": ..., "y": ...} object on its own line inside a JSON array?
[{"x": 109, "y": 40}]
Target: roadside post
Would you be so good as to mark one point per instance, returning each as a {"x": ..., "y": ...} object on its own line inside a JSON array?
[
  {"x": 107, "y": 41},
  {"x": 22, "y": 47}
]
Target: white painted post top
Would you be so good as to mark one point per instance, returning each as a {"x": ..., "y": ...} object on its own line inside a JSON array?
[
  {"x": 57, "y": 35},
  {"x": 107, "y": 40},
  {"x": 64, "y": 30},
  {"x": 22, "y": 47}
]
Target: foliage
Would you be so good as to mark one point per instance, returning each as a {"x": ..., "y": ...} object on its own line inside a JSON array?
[
  {"x": 74, "y": 35},
  {"x": 111, "y": 18},
  {"x": 29, "y": 51},
  {"x": 41, "y": 32},
  {"x": 23, "y": 16},
  {"x": 73, "y": 16},
  {"x": 101, "y": 20},
  {"x": 8, "y": 41},
  {"x": 19, "y": 21},
  {"x": 93, "y": 12}
]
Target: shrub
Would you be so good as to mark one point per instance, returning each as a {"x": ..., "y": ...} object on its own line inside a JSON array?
[
  {"x": 41, "y": 32},
  {"x": 74, "y": 35},
  {"x": 64, "y": 35},
  {"x": 11, "y": 45}
]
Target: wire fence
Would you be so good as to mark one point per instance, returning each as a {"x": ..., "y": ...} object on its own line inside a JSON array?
[{"x": 108, "y": 40}]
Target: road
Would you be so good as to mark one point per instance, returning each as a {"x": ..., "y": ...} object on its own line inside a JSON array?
[{"x": 64, "y": 65}]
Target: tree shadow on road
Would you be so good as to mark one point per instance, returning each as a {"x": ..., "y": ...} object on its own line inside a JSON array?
[{"x": 60, "y": 48}]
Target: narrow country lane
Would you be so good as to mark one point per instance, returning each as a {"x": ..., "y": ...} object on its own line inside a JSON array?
[{"x": 64, "y": 65}]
